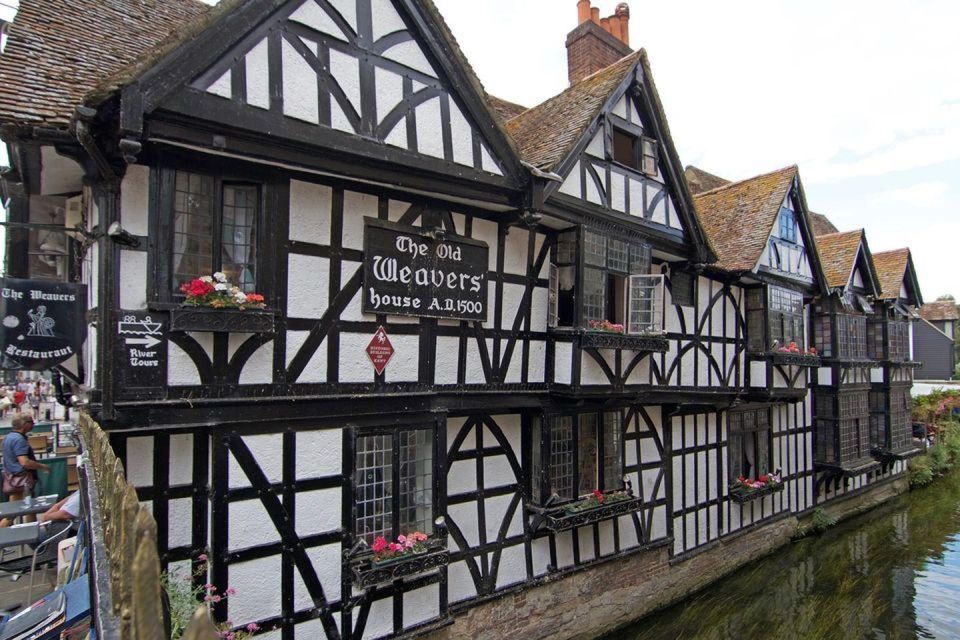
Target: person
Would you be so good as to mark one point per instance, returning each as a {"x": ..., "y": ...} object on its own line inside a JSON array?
[
  {"x": 35, "y": 403},
  {"x": 66, "y": 510},
  {"x": 20, "y": 465},
  {"x": 18, "y": 397}
]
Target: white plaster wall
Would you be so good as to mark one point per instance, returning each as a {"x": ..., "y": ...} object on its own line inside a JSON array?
[
  {"x": 258, "y": 76},
  {"x": 310, "y": 207},
  {"x": 311, "y": 15},
  {"x": 356, "y": 207},
  {"x": 133, "y": 280},
  {"x": 572, "y": 185},
  {"x": 409, "y": 54},
  {"x": 307, "y": 286},
  {"x": 135, "y": 199},
  {"x": 430, "y": 128},
  {"x": 316, "y": 369}
]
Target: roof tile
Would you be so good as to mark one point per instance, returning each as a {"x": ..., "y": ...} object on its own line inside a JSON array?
[
  {"x": 838, "y": 253},
  {"x": 891, "y": 269},
  {"x": 738, "y": 217},
  {"x": 940, "y": 310}
]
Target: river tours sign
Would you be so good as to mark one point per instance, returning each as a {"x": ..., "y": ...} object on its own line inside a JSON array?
[
  {"x": 411, "y": 271},
  {"x": 43, "y": 323}
]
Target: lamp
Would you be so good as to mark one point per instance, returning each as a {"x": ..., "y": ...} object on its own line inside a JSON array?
[{"x": 122, "y": 237}]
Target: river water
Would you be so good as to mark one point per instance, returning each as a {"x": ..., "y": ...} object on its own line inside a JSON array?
[{"x": 891, "y": 573}]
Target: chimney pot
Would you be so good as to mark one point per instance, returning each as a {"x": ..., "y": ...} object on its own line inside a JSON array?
[
  {"x": 583, "y": 11},
  {"x": 623, "y": 12},
  {"x": 595, "y": 14}
]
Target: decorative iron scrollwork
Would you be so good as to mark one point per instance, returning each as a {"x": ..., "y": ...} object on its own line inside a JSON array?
[
  {"x": 606, "y": 340},
  {"x": 369, "y": 573},
  {"x": 556, "y": 519},
  {"x": 743, "y": 497},
  {"x": 221, "y": 320},
  {"x": 795, "y": 359}
]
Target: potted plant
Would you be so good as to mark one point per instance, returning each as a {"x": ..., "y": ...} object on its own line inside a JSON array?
[
  {"x": 605, "y": 326},
  {"x": 409, "y": 555},
  {"x": 212, "y": 303},
  {"x": 596, "y": 500},
  {"x": 385, "y": 553},
  {"x": 746, "y": 489}
]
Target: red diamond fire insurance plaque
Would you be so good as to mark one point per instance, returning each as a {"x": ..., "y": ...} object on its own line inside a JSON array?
[{"x": 380, "y": 350}]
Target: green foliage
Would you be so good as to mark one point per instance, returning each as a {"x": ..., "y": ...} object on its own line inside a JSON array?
[
  {"x": 184, "y": 600},
  {"x": 919, "y": 472},
  {"x": 820, "y": 521}
]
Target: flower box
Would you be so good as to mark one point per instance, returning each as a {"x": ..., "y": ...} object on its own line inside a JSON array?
[
  {"x": 795, "y": 359},
  {"x": 566, "y": 517},
  {"x": 222, "y": 320},
  {"x": 369, "y": 572},
  {"x": 742, "y": 494},
  {"x": 610, "y": 340}
]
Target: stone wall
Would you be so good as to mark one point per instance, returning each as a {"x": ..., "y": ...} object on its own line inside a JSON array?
[
  {"x": 596, "y": 600},
  {"x": 611, "y": 594}
]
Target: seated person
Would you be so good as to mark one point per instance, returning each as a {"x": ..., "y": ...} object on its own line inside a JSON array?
[{"x": 67, "y": 510}]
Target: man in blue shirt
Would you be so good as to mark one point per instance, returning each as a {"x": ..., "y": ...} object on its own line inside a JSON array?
[{"x": 20, "y": 465}]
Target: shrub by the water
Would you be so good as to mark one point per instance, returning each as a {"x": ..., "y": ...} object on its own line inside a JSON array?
[{"x": 920, "y": 473}]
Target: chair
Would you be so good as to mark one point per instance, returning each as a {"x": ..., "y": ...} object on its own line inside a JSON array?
[{"x": 46, "y": 553}]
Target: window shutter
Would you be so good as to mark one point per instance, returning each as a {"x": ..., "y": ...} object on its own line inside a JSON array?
[
  {"x": 645, "y": 304},
  {"x": 553, "y": 298}
]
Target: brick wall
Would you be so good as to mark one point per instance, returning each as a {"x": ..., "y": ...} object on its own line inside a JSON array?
[
  {"x": 611, "y": 594},
  {"x": 590, "y": 48}
]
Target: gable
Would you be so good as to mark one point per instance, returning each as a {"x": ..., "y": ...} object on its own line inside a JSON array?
[
  {"x": 596, "y": 177},
  {"x": 786, "y": 251},
  {"x": 358, "y": 75}
]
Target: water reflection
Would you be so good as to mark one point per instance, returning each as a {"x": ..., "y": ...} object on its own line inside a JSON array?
[{"x": 893, "y": 573}]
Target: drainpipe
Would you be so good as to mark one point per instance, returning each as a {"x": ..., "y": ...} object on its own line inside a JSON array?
[{"x": 107, "y": 193}]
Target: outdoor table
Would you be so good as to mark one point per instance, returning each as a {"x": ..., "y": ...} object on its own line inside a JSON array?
[
  {"x": 19, "y": 508},
  {"x": 19, "y": 534}
]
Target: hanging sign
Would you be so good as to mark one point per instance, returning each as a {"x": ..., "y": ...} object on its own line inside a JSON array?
[
  {"x": 43, "y": 323},
  {"x": 143, "y": 347},
  {"x": 410, "y": 271},
  {"x": 380, "y": 350}
]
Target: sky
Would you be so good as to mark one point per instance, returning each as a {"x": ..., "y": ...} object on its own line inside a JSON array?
[{"x": 863, "y": 95}]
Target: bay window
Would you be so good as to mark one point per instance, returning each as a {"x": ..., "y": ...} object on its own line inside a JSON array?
[
  {"x": 842, "y": 426},
  {"x": 774, "y": 318},
  {"x": 615, "y": 285},
  {"x": 576, "y": 454}
]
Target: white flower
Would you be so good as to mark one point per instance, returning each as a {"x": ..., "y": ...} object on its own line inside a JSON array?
[
  {"x": 220, "y": 276},
  {"x": 221, "y": 287},
  {"x": 240, "y": 297},
  {"x": 234, "y": 290},
  {"x": 206, "y": 279}
]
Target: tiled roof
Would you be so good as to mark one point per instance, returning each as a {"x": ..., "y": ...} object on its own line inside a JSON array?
[
  {"x": 891, "y": 269},
  {"x": 739, "y": 216},
  {"x": 939, "y": 311},
  {"x": 59, "y": 50},
  {"x": 699, "y": 180},
  {"x": 503, "y": 108},
  {"x": 838, "y": 253},
  {"x": 821, "y": 224},
  {"x": 546, "y": 133}
]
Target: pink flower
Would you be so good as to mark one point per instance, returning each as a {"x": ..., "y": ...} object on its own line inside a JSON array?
[
  {"x": 202, "y": 557},
  {"x": 209, "y": 587},
  {"x": 253, "y": 627},
  {"x": 401, "y": 538},
  {"x": 230, "y": 592},
  {"x": 379, "y": 544},
  {"x": 395, "y": 547}
]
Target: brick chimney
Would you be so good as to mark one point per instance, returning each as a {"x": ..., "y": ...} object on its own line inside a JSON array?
[{"x": 597, "y": 42}]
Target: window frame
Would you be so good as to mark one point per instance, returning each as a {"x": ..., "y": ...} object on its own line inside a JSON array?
[
  {"x": 683, "y": 287},
  {"x": 162, "y": 290},
  {"x": 761, "y": 317},
  {"x": 788, "y": 222},
  {"x": 635, "y": 256},
  {"x": 437, "y": 440},
  {"x": 542, "y": 430},
  {"x": 760, "y": 433},
  {"x": 644, "y": 149}
]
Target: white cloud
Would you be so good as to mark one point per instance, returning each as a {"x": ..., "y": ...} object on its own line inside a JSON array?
[{"x": 923, "y": 194}]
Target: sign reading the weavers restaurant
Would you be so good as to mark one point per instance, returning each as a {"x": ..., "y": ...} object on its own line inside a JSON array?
[
  {"x": 42, "y": 323},
  {"x": 411, "y": 271}
]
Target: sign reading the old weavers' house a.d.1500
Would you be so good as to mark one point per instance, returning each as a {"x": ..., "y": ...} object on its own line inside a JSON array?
[
  {"x": 42, "y": 324},
  {"x": 415, "y": 272}
]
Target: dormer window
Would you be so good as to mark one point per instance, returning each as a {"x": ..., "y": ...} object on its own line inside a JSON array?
[
  {"x": 788, "y": 225},
  {"x": 636, "y": 152}
]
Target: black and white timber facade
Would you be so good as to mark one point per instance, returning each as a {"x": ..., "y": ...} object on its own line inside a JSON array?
[{"x": 301, "y": 146}]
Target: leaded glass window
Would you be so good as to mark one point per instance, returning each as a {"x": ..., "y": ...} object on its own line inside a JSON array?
[
  {"x": 585, "y": 453},
  {"x": 595, "y": 248},
  {"x": 788, "y": 225},
  {"x": 785, "y": 316},
  {"x": 749, "y": 443},
  {"x": 393, "y": 483}
]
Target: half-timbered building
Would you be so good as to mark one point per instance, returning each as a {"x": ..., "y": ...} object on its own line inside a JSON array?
[{"x": 477, "y": 315}]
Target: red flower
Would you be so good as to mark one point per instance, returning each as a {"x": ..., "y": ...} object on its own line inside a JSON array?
[
  {"x": 197, "y": 288},
  {"x": 598, "y": 495},
  {"x": 762, "y": 479},
  {"x": 254, "y": 297},
  {"x": 379, "y": 544}
]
